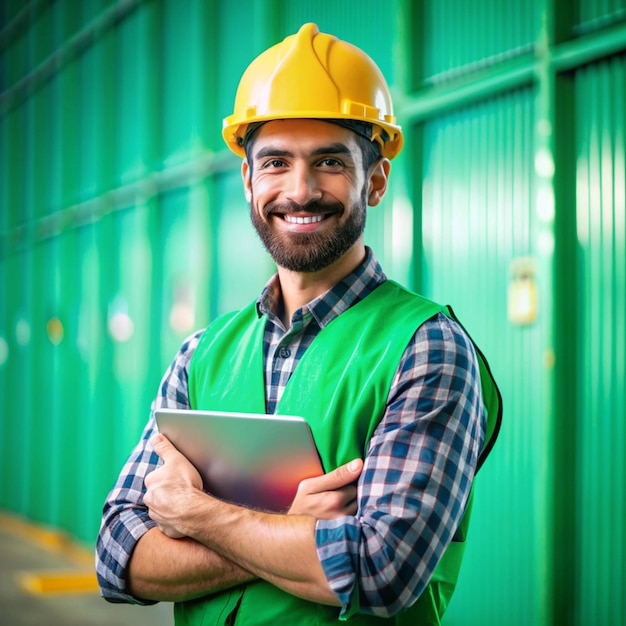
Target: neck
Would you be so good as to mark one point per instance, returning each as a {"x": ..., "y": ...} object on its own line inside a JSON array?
[{"x": 299, "y": 288}]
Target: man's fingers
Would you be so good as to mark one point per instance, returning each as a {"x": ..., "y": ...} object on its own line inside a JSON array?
[
  {"x": 338, "y": 478},
  {"x": 347, "y": 473},
  {"x": 331, "y": 495},
  {"x": 170, "y": 532},
  {"x": 176, "y": 467},
  {"x": 163, "y": 446}
]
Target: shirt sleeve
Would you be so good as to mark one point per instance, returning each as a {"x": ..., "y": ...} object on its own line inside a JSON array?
[
  {"x": 416, "y": 479},
  {"x": 125, "y": 518}
]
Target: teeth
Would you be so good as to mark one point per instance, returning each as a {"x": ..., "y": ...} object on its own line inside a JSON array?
[{"x": 292, "y": 219}]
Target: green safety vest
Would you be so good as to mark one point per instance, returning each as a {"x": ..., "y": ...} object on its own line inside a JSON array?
[{"x": 340, "y": 387}]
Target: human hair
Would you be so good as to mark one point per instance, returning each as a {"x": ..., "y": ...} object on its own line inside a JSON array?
[{"x": 369, "y": 149}]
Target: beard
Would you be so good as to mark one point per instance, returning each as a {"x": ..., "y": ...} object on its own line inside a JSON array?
[{"x": 314, "y": 251}]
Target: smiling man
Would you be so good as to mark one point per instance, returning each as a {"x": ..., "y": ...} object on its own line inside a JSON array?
[
  {"x": 402, "y": 408},
  {"x": 311, "y": 175},
  {"x": 308, "y": 185}
]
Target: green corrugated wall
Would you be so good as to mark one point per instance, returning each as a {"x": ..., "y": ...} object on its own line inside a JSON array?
[
  {"x": 476, "y": 195},
  {"x": 123, "y": 228},
  {"x": 600, "y": 149}
]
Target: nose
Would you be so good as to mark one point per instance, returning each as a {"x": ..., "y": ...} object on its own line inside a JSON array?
[{"x": 302, "y": 185}]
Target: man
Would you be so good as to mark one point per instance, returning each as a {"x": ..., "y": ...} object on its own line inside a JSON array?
[{"x": 388, "y": 381}]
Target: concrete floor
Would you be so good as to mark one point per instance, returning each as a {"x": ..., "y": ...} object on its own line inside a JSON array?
[{"x": 24, "y": 556}]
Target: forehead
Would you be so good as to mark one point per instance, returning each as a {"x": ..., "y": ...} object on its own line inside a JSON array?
[{"x": 302, "y": 136}]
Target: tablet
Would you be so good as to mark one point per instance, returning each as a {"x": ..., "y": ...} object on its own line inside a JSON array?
[{"x": 251, "y": 459}]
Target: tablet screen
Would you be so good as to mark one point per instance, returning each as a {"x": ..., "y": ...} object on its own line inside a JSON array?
[{"x": 251, "y": 459}]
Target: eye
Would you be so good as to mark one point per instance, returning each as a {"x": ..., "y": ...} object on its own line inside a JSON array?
[
  {"x": 331, "y": 162},
  {"x": 272, "y": 163}
]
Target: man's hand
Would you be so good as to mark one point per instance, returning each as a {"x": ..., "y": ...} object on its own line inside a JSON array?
[
  {"x": 331, "y": 495},
  {"x": 170, "y": 487},
  {"x": 278, "y": 548}
]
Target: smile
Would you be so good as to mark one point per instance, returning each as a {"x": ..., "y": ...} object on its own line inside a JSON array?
[{"x": 313, "y": 219}]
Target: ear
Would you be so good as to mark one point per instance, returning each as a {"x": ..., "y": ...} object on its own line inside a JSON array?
[
  {"x": 378, "y": 178},
  {"x": 245, "y": 175}
]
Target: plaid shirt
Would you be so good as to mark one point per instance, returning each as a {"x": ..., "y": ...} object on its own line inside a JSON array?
[{"x": 418, "y": 470}]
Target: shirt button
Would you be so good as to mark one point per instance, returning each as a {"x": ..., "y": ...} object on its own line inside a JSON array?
[{"x": 284, "y": 352}]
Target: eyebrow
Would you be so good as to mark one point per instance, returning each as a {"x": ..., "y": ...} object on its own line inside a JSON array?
[{"x": 334, "y": 148}]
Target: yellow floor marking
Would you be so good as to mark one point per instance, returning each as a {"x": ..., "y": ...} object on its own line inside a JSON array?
[
  {"x": 56, "y": 542},
  {"x": 56, "y": 582},
  {"x": 49, "y": 539}
]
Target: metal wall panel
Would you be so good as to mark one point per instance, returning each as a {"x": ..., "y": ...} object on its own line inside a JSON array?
[
  {"x": 40, "y": 425},
  {"x": 100, "y": 279},
  {"x": 129, "y": 117},
  {"x": 91, "y": 122},
  {"x": 15, "y": 52},
  {"x": 5, "y": 355},
  {"x": 594, "y": 14},
  {"x": 601, "y": 433},
  {"x": 462, "y": 33},
  {"x": 177, "y": 114},
  {"x": 186, "y": 63},
  {"x": 39, "y": 137},
  {"x": 15, "y": 129},
  {"x": 128, "y": 324},
  {"x": 174, "y": 231},
  {"x": 245, "y": 266},
  {"x": 6, "y": 152},
  {"x": 477, "y": 221},
  {"x": 40, "y": 34},
  {"x": 17, "y": 409},
  {"x": 188, "y": 267},
  {"x": 340, "y": 18},
  {"x": 93, "y": 396}
]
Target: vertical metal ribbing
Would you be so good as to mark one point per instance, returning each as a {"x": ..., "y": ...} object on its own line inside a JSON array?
[
  {"x": 601, "y": 236},
  {"x": 477, "y": 218}
]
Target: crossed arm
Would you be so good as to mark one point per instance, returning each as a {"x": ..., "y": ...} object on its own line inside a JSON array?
[
  {"x": 412, "y": 493},
  {"x": 203, "y": 544}
]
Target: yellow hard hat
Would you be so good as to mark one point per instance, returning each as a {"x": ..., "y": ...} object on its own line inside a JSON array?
[{"x": 315, "y": 76}]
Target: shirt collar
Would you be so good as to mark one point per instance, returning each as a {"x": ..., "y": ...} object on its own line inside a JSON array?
[{"x": 346, "y": 293}]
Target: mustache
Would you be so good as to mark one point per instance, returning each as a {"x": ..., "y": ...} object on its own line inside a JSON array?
[{"x": 288, "y": 207}]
